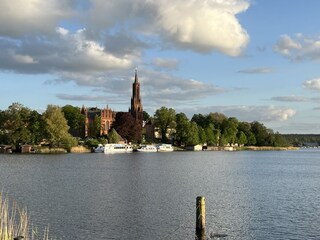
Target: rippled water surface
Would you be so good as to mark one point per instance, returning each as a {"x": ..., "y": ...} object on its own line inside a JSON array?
[{"x": 249, "y": 195}]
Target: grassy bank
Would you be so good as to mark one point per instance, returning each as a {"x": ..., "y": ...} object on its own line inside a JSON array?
[
  {"x": 265, "y": 148},
  {"x": 15, "y": 222}
]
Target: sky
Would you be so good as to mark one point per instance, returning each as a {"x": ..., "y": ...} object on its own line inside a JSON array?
[{"x": 256, "y": 60}]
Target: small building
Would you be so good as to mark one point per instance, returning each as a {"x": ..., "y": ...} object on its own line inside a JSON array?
[
  {"x": 26, "y": 149},
  {"x": 197, "y": 147}
]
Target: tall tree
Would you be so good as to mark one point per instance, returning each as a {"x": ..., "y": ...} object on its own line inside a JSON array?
[
  {"x": 193, "y": 134},
  {"x": 182, "y": 128},
  {"x": 127, "y": 127},
  {"x": 57, "y": 128},
  {"x": 75, "y": 119},
  {"x": 15, "y": 124},
  {"x": 113, "y": 136},
  {"x": 165, "y": 119}
]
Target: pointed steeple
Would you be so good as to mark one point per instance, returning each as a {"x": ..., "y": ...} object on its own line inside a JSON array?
[{"x": 136, "y": 80}]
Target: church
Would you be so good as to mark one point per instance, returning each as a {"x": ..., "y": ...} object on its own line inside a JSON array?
[{"x": 106, "y": 116}]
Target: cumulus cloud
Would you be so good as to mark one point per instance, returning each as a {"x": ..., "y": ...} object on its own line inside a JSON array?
[
  {"x": 20, "y": 17},
  {"x": 313, "y": 84},
  {"x": 202, "y": 26},
  {"x": 299, "y": 48},
  {"x": 256, "y": 70},
  {"x": 66, "y": 52}
]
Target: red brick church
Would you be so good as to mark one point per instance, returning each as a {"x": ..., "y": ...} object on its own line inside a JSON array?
[{"x": 106, "y": 116}]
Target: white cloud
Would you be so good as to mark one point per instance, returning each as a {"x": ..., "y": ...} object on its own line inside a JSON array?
[
  {"x": 202, "y": 26},
  {"x": 300, "y": 48},
  {"x": 20, "y": 17},
  {"x": 313, "y": 84}
]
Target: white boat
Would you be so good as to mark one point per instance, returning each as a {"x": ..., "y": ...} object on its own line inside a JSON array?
[
  {"x": 165, "y": 148},
  {"x": 117, "y": 148},
  {"x": 99, "y": 149},
  {"x": 147, "y": 148}
]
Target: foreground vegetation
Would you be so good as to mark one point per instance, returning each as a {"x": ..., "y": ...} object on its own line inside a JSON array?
[
  {"x": 15, "y": 222},
  {"x": 63, "y": 127}
]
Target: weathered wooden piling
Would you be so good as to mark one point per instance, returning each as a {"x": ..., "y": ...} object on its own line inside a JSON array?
[{"x": 200, "y": 215}]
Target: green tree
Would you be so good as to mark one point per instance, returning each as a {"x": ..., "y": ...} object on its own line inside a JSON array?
[
  {"x": 75, "y": 119},
  {"x": 212, "y": 135},
  {"x": 182, "y": 128},
  {"x": 216, "y": 119},
  {"x": 230, "y": 129},
  {"x": 201, "y": 120},
  {"x": 193, "y": 134},
  {"x": 15, "y": 125},
  {"x": 202, "y": 135},
  {"x": 36, "y": 127},
  {"x": 146, "y": 116},
  {"x": 261, "y": 134},
  {"x": 164, "y": 119},
  {"x": 113, "y": 136},
  {"x": 242, "y": 138},
  {"x": 57, "y": 128}
]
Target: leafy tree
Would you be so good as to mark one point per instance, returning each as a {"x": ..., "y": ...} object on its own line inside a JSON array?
[
  {"x": 201, "y": 120},
  {"x": 242, "y": 138},
  {"x": 212, "y": 135},
  {"x": 15, "y": 125},
  {"x": 127, "y": 127},
  {"x": 230, "y": 129},
  {"x": 182, "y": 128},
  {"x": 216, "y": 119},
  {"x": 57, "y": 128},
  {"x": 202, "y": 135},
  {"x": 36, "y": 127},
  {"x": 251, "y": 139},
  {"x": 75, "y": 119},
  {"x": 193, "y": 134},
  {"x": 164, "y": 119},
  {"x": 113, "y": 136},
  {"x": 261, "y": 134}
]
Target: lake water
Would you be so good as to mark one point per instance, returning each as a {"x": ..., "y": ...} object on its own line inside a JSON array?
[{"x": 249, "y": 195}]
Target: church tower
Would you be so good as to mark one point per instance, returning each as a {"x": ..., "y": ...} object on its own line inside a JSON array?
[{"x": 136, "y": 109}]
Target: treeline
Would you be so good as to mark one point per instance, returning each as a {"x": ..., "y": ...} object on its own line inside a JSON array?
[
  {"x": 58, "y": 127},
  {"x": 214, "y": 129},
  {"x": 299, "y": 140}
]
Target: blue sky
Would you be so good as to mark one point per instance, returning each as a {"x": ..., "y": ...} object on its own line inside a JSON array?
[{"x": 254, "y": 60}]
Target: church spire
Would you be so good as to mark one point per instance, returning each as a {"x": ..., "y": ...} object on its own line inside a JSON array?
[{"x": 136, "y": 103}]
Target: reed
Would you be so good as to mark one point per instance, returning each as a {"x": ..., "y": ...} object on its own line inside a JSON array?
[{"x": 15, "y": 222}]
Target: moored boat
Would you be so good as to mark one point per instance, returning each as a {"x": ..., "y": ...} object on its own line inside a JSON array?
[
  {"x": 165, "y": 148},
  {"x": 117, "y": 148},
  {"x": 99, "y": 149},
  {"x": 147, "y": 148}
]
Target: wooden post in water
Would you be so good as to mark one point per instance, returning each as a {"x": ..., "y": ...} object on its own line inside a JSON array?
[{"x": 201, "y": 215}]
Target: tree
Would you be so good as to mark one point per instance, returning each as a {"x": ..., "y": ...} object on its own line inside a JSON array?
[
  {"x": 164, "y": 119},
  {"x": 182, "y": 128},
  {"x": 75, "y": 119},
  {"x": 36, "y": 128},
  {"x": 127, "y": 127},
  {"x": 202, "y": 135},
  {"x": 242, "y": 138},
  {"x": 216, "y": 119},
  {"x": 212, "y": 135},
  {"x": 200, "y": 120},
  {"x": 230, "y": 129},
  {"x": 15, "y": 125},
  {"x": 193, "y": 134},
  {"x": 113, "y": 136},
  {"x": 57, "y": 128},
  {"x": 261, "y": 133}
]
